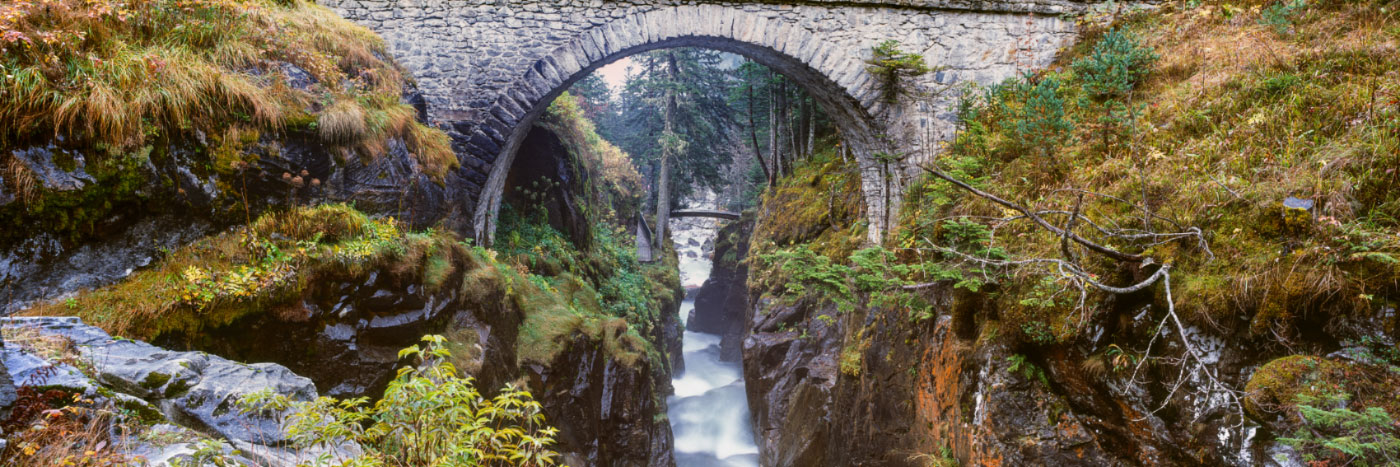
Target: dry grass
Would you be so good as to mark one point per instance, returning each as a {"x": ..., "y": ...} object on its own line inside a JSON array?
[
  {"x": 124, "y": 74},
  {"x": 70, "y": 431},
  {"x": 1236, "y": 116},
  {"x": 252, "y": 270},
  {"x": 343, "y": 122},
  {"x": 20, "y": 180},
  {"x": 50, "y": 347}
]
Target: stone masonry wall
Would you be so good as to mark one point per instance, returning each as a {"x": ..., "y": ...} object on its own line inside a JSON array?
[{"x": 488, "y": 68}]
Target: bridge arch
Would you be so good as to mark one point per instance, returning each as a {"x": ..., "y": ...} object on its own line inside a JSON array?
[
  {"x": 486, "y": 69},
  {"x": 833, "y": 76}
]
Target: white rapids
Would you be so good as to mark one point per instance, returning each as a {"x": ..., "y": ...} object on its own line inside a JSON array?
[{"x": 709, "y": 412}]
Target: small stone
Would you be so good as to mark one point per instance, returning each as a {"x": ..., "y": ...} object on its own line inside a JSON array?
[{"x": 1297, "y": 212}]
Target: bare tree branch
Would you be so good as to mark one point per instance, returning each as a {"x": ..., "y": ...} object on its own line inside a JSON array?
[{"x": 1112, "y": 253}]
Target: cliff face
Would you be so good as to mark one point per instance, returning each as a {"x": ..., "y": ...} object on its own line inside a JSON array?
[
  {"x": 173, "y": 202},
  {"x": 979, "y": 335},
  {"x": 147, "y": 138},
  {"x": 345, "y": 336},
  {"x": 897, "y": 395},
  {"x": 333, "y": 294},
  {"x": 722, "y": 302}
]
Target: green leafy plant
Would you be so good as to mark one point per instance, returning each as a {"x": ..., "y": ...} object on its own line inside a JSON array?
[
  {"x": 429, "y": 415},
  {"x": 1119, "y": 358},
  {"x": 1022, "y": 365},
  {"x": 209, "y": 453}
]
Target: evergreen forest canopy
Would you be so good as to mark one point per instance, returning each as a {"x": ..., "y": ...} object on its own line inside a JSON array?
[{"x": 710, "y": 119}]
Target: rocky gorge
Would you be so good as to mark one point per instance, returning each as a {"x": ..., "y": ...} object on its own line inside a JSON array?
[
  {"x": 1156, "y": 234},
  {"x": 317, "y": 270}
]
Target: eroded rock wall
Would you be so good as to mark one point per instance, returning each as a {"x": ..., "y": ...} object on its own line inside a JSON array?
[
  {"x": 722, "y": 303},
  {"x": 179, "y": 201}
]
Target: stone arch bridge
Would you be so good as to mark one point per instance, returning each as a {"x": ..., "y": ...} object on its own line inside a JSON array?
[{"x": 489, "y": 68}]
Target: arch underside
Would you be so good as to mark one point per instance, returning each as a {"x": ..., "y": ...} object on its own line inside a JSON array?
[{"x": 852, "y": 114}]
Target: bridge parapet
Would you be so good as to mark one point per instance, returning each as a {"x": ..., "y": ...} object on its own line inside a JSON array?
[{"x": 1049, "y": 7}]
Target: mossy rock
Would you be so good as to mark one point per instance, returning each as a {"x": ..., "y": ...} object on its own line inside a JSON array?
[{"x": 1277, "y": 388}]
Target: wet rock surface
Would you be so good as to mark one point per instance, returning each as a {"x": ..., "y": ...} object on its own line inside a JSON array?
[
  {"x": 790, "y": 381},
  {"x": 345, "y": 336},
  {"x": 44, "y": 267},
  {"x": 7, "y": 385},
  {"x": 721, "y": 304},
  {"x": 192, "y": 388},
  {"x": 195, "y": 390},
  {"x": 130, "y": 214},
  {"x": 606, "y": 410},
  {"x": 875, "y": 389}
]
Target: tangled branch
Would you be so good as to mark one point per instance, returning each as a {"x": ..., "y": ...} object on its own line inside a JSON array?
[
  {"x": 1193, "y": 362},
  {"x": 1112, "y": 253}
]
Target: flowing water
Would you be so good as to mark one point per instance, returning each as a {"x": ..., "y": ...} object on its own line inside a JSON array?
[{"x": 709, "y": 412}]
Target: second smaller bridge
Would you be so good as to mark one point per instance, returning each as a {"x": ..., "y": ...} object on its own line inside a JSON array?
[{"x": 711, "y": 213}]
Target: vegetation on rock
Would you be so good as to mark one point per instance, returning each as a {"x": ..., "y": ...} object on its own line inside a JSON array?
[
  {"x": 429, "y": 415},
  {"x": 601, "y": 288},
  {"x": 253, "y": 269},
  {"x": 1171, "y": 137},
  {"x": 892, "y": 67},
  {"x": 122, "y": 75},
  {"x": 111, "y": 89}
]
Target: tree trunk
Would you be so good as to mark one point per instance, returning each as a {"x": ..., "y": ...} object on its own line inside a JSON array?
[
  {"x": 809, "y": 125},
  {"x": 668, "y": 149},
  {"x": 773, "y": 129},
  {"x": 790, "y": 115},
  {"x": 753, "y": 137}
]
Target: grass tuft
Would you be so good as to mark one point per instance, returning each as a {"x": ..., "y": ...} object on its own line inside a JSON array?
[{"x": 124, "y": 74}]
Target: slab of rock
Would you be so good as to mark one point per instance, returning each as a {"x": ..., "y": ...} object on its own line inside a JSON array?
[
  {"x": 192, "y": 389},
  {"x": 47, "y": 166}
]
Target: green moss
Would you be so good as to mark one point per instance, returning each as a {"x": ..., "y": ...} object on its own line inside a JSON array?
[
  {"x": 219, "y": 279},
  {"x": 75, "y": 214},
  {"x": 177, "y": 388},
  {"x": 144, "y": 413},
  {"x": 1276, "y": 388},
  {"x": 155, "y": 380}
]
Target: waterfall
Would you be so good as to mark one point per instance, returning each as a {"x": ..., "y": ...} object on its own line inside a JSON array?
[{"x": 709, "y": 412}]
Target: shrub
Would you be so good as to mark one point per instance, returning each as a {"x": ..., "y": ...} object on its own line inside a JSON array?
[
  {"x": 1117, "y": 63},
  {"x": 891, "y": 66},
  {"x": 1366, "y": 437},
  {"x": 1279, "y": 16},
  {"x": 1039, "y": 123},
  {"x": 429, "y": 415}
]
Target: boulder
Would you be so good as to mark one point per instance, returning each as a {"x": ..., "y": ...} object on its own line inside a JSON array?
[{"x": 192, "y": 389}]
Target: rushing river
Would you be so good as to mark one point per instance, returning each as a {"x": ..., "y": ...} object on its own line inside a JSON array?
[{"x": 709, "y": 412}]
